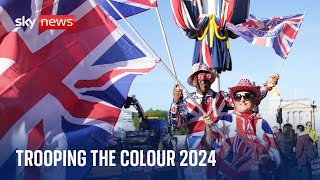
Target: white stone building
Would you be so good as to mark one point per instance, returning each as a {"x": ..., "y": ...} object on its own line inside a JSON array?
[
  {"x": 295, "y": 112},
  {"x": 125, "y": 122}
]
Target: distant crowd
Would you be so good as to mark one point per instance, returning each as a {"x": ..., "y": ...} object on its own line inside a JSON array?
[{"x": 298, "y": 149}]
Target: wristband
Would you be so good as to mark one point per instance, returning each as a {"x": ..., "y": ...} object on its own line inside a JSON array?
[{"x": 268, "y": 88}]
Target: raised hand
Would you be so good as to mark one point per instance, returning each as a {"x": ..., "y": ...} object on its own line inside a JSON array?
[
  {"x": 177, "y": 93},
  {"x": 273, "y": 80}
]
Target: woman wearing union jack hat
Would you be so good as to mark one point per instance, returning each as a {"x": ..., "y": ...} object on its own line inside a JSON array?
[
  {"x": 249, "y": 152},
  {"x": 183, "y": 112}
]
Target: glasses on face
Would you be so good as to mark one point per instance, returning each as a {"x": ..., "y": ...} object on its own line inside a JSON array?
[
  {"x": 246, "y": 96},
  {"x": 309, "y": 125},
  {"x": 203, "y": 76}
]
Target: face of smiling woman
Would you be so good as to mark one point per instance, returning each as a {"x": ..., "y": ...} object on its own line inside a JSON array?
[{"x": 244, "y": 101}]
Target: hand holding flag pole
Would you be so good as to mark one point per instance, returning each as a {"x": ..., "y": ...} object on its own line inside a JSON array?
[{"x": 158, "y": 60}]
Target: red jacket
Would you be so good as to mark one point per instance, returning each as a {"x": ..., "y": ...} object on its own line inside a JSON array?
[{"x": 301, "y": 148}]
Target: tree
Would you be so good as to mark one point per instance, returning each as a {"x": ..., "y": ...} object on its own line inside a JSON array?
[
  {"x": 159, "y": 114},
  {"x": 136, "y": 121}
]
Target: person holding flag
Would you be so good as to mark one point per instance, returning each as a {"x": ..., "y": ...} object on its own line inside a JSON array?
[
  {"x": 184, "y": 112},
  {"x": 250, "y": 151}
]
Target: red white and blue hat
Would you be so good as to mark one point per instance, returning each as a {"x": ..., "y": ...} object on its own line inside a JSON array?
[
  {"x": 245, "y": 85},
  {"x": 199, "y": 68}
]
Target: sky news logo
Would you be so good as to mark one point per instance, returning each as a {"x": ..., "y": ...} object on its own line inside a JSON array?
[{"x": 45, "y": 22}]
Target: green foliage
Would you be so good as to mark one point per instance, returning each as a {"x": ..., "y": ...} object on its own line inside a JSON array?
[
  {"x": 136, "y": 121},
  {"x": 160, "y": 114}
]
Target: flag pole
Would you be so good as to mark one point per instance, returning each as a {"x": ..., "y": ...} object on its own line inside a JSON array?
[
  {"x": 280, "y": 67},
  {"x": 245, "y": 141},
  {"x": 213, "y": 8},
  {"x": 158, "y": 60},
  {"x": 250, "y": 147},
  {"x": 134, "y": 30},
  {"x": 166, "y": 42}
]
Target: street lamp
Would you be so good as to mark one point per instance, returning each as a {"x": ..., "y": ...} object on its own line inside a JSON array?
[
  {"x": 279, "y": 116},
  {"x": 313, "y": 106}
]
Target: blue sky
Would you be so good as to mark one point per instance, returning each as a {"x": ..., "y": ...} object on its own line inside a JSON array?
[{"x": 298, "y": 77}]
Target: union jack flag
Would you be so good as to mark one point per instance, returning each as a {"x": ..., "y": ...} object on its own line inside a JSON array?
[
  {"x": 213, "y": 102},
  {"x": 278, "y": 33},
  {"x": 238, "y": 156},
  {"x": 61, "y": 89},
  {"x": 127, "y": 7},
  {"x": 188, "y": 15}
]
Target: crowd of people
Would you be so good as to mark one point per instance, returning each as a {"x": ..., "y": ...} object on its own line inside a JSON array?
[
  {"x": 243, "y": 140},
  {"x": 293, "y": 145}
]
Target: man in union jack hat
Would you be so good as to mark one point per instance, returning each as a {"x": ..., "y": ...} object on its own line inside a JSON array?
[
  {"x": 249, "y": 151},
  {"x": 183, "y": 112}
]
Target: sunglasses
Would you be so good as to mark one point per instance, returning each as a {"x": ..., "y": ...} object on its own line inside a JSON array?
[
  {"x": 203, "y": 76},
  {"x": 246, "y": 96}
]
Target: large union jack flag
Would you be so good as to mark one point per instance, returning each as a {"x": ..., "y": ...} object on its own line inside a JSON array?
[
  {"x": 214, "y": 103},
  {"x": 278, "y": 33},
  {"x": 238, "y": 156},
  {"x": 61, "y": 89},
  {"x": 127, "y": 7}
]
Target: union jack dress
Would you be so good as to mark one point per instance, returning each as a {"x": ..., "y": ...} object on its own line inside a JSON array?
[
  {"x": 248, "y": 137},
  {"x": 188, "y": 113}
]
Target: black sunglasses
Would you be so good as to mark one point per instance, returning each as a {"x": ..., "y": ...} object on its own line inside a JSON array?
[{"x": 246, "y": 96}]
